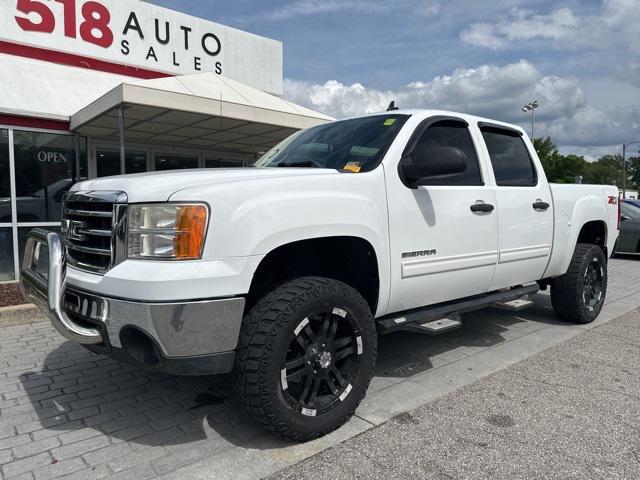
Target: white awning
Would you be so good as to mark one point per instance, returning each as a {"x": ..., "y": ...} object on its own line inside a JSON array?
[
  {"x": 204, "y": 110},
  {"x": 33, "y": 88}
]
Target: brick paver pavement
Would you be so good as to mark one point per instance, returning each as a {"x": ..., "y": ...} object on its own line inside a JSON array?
[{"x": 67, "y": 412}]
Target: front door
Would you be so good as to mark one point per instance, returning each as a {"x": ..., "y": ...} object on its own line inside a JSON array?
[
  {"x": 441, "y": 249},
  {"x": 525, "y": 207}
]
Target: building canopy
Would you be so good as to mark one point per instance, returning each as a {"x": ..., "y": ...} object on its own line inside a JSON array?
[{"x": 204, "y": 110}]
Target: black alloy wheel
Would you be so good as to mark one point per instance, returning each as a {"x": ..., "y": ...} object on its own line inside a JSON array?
[
  {"x": 322, "y": 362},
  {"x": 578, "y": 295},
  {"x": 305, "y": 357},
  {"x": 592, "y": 293}
]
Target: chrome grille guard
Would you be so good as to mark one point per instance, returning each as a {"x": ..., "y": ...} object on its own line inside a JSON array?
[{"x": 48, "y": 293}]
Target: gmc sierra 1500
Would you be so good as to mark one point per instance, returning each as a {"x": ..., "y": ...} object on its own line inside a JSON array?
[{"x": 284, "y": 274}]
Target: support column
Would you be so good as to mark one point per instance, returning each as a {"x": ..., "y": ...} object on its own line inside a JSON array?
[
  {"x": 624, "y": 171},
  {"x": 123, "y": 162},
  {"x": 76, "y": 141}
]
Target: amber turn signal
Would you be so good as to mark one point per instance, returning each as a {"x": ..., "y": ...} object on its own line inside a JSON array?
[{"x": 191, "y": 226}]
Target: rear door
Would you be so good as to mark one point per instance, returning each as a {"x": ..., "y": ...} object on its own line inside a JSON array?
[
  {"x": 524, "y": 205},
  {"x": 440, "y": 248}
]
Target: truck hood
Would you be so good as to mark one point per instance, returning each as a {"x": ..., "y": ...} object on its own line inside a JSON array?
[{"x": 159, "y": 186}]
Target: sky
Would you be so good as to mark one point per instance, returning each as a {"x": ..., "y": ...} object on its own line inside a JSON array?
[{"x": 579, "y": 59}]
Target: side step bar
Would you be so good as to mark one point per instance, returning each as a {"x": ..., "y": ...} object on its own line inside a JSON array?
[
  {"x": 428, "y": 314},
  {"x": 436, "y": 327}
]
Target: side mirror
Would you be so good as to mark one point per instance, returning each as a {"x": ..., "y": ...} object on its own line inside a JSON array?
[{"x": 428, "y": 162}]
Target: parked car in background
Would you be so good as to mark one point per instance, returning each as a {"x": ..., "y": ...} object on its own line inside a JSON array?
[{"x": 629, "y": 239}]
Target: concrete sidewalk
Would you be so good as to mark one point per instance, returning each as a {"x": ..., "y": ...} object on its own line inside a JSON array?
[
  {"x": 67, "y": 412},
  {"x": 569, "y": 412}
]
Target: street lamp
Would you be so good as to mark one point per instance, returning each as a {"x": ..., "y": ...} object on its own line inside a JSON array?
[
  {"x": 531, "y": 107},
  {"x": 624, "y": 167}
]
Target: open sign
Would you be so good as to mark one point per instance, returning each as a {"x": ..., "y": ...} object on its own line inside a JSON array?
[{"x": 49, "y": 157}]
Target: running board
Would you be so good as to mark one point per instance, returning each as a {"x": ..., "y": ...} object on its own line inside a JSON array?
[
  {"x": 393, "y": 323},
  {"x": 514, "y": 305},
  {"x": 436, "y": 327}
]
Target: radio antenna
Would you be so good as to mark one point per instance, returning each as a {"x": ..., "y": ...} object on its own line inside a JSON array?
[{"x": 392, "y": 106}]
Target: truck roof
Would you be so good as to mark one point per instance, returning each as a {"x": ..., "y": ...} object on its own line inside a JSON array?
[{"x": 433, "y": 112}]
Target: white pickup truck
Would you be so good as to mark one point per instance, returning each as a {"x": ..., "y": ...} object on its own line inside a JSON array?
[{"x": 286, "y": 273}]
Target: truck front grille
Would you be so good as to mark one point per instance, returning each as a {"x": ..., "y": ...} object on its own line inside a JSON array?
[{"x": 93, "y": 229}]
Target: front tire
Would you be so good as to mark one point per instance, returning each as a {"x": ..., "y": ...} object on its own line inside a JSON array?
[
  {"x": 578, "y": 296},
  {"x": 305, "y": 357}
]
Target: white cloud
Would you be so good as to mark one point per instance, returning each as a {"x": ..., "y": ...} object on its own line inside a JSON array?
[
  {"x": 492, "y": 91},
  {"x": 304, "y": 8},
  {"x": 521, "y": 25},
  {"x": 486, "y": 90},
  {"x": 615, "y": 25}
]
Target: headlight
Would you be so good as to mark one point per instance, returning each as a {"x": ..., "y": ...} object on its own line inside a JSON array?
[{"x": 167, "y": 231}]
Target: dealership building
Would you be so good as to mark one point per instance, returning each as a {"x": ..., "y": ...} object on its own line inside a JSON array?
[{"x": 93, "y": 88}]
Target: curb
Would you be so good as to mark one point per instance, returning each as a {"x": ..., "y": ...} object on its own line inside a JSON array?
[{"x": 21, "y": 315}]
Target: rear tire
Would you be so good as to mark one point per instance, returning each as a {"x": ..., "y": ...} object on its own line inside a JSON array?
[
  {"x": 305, "y": 357},
  {"x": 578, "y": 296}
]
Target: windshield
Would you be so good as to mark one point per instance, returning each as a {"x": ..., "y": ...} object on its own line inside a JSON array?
[{"x": 356, "y": 145}]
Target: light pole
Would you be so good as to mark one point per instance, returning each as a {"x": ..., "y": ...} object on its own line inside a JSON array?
[
  {"x": 531, "y": 107},
  {"x": 624, "y": 167}
]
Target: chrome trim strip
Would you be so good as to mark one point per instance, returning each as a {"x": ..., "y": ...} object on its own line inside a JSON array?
[
  {"x": 48, "y": 293},
  {"x": 95, "y": 251},
  {"x": 94, "y": 232},
  {"x": 87, "y": 213},
  {"x": 119, "y": 234},
  {"x": 98, "y": 196}
]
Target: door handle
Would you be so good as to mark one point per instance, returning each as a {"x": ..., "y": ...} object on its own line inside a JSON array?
[
  {"x": 482, "y": 208},
  {"x": 540, "y": 205}
]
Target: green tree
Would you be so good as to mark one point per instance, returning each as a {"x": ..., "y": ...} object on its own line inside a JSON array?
[
  {"x": 548, "y": 153},
  {"x": 633, "y": 170},
  {"x": 559, "y": 168},
  {"x": 607, "y": 170}
]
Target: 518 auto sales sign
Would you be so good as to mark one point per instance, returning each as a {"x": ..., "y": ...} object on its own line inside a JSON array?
[{"x": 141, "y": 35}]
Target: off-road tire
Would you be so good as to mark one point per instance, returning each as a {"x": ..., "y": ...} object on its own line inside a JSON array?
[
  {"x": 567, "y": 291},
  {"x": 265, "y": 338}
]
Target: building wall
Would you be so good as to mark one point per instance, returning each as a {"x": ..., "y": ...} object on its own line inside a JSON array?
[{"x": 136, "y": 38}]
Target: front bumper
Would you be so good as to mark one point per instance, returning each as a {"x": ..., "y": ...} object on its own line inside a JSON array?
[{"x": 190, "y": 338}]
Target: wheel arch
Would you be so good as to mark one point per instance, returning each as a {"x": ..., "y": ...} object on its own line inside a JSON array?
[
  {"x": 594, "y": 232},
  {"x": 352, "y": 260}
]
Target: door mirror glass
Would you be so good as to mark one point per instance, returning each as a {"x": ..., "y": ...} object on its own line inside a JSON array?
[{"x": 427, "y": 162}]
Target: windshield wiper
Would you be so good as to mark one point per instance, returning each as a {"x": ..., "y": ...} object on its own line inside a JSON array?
[{"x": 300, "y": 163}]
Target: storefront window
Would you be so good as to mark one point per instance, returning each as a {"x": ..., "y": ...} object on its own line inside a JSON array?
[
  {"x": 175, "y": 162},
  {"x": 7, "y": 271},
  {"x": 45, "y": 170},
  {"x": 5, "y": 179},
  {"x": 222, "y": 162},
  {"x": 108, "y": 162}
]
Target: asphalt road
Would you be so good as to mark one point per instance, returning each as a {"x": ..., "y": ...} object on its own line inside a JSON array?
[{"x": 570, "y": 412}]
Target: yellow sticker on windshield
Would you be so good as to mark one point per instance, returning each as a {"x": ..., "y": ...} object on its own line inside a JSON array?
[
  {"x": 389, "y": 122},
  {"x": 353, "y": 167}
]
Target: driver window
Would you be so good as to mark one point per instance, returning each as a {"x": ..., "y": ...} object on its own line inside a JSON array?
[{"x": 450, "y": 133}]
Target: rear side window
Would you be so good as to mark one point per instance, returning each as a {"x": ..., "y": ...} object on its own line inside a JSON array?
[
  {"x": 512, "y": 164},
  {"x": 451, "y": 133},
  {"x": 631, "y": 211}
]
